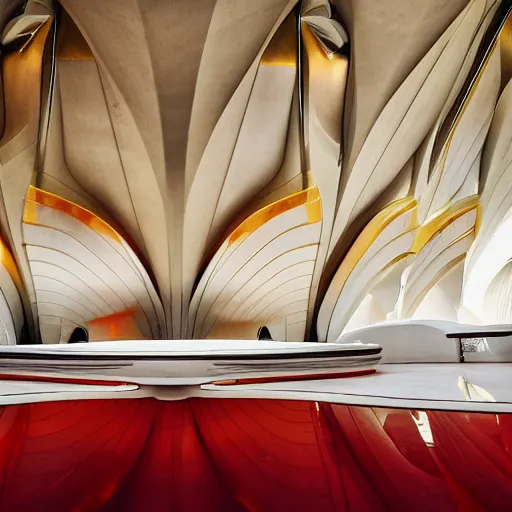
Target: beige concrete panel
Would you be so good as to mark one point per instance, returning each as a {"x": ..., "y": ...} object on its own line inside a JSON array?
[
  {"x": 247, "y": 246},
  {"x": 115, "y": 253},
  {"x": 442, "y": 302},
  {"x": 225, "y": 306},
  {"x": 235, "y": 331},
  {"x": 385, "y": 292},
  {"x": 436, "y": 306},
  {"x": 238, "y": 34},
  {"x": 82, "y": 274},
  {"x": 405, "y": 121},
  {"x": 207, "y": 186},
  {"x": 57, "y": 241},
  {"x": 59, "y": 311},
  {"x": 299, "y": 261},
  {"x": 146, "y": 197},
  {"x": 54, "y": 175},
  {"x": 112, "y": 254},
  {"x": 487, "y": 257},
  {"x": 295, "y": 331},
  {"x": 174, "y": 81},
  {"x": 90, "y": 147},
  {"x": 246, "y": 150},
  {"x": 51, "y": 327},
  {"x": 290, "y": 179},
  {"x": 290, "y": 308},
  {"x": 252, "y": 262},
  {"x": 273, "y": 289},
  {"x": 298, "y": 317},
  {"x": 148, "y": 228},
  {"x": 260, "y": 147},
  {"x": 117, "y": 36},
  {"x": 388, "y": 39}
]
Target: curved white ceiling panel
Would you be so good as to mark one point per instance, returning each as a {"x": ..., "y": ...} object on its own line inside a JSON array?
[
  {"x": 265, "y": 265},
  {"x": 208, "y": 134},
  {"x": 82, "y": 268}
]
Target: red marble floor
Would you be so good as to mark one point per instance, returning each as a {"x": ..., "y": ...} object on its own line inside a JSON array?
[{"x": 249, "y": 455}]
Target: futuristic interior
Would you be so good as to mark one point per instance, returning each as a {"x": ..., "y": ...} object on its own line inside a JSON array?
[{"x": 255, "y": 255}]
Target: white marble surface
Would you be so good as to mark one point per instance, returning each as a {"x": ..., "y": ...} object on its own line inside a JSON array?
[{"x": 412, "y": 386}]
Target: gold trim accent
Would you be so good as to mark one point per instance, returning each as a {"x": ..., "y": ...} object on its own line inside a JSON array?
[
  {"x": 71, "y": 44},
  {"x": 36, "y": 196},
  {"x": 395, "y": 260},
  {"x": 282, "y": 49},
  {"x": 444, "y": 217},
  {"x": 10, "y": 265},
  {"x": 309, "y": 197}
]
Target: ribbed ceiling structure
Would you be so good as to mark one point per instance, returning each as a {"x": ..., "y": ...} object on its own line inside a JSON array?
[{"x": 201, "y": 169}]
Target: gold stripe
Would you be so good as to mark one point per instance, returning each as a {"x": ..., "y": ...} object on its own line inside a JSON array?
[
  {"x": 441, "y": 219},
  {"x": 395, "y": 260},
  {"x": 309, "y": 197},
  {"x": 282, "y": 49},
  {"x": 36, "y": 196},
  {"x": 71, "y": 44},
  {"x": 10, "y": 265},
  {"x": 369, "y": 234}
]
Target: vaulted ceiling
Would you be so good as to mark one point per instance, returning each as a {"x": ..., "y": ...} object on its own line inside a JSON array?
[{"x": 204, "y": 168}]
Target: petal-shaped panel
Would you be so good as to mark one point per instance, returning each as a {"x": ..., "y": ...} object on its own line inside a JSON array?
[
  {"x": 83, "y": 269},
  {"x": 408, "y": 116},
  {"x": 385, "y": 240},
  {"x": 440, "y": 244},
  {"x": 11, "y": 308},
  {"x": 262, "y": 273}
]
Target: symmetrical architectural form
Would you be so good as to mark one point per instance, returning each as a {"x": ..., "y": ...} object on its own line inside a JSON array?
[
  {"x": 176, "y": 174},
  {"x": 203, "y": 169}
]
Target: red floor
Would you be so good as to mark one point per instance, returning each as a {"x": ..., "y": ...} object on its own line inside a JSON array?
[{"x": 257, "y": 455}]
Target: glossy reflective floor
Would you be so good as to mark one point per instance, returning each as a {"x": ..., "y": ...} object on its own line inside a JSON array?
[{"x": 250, "y": 455}]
